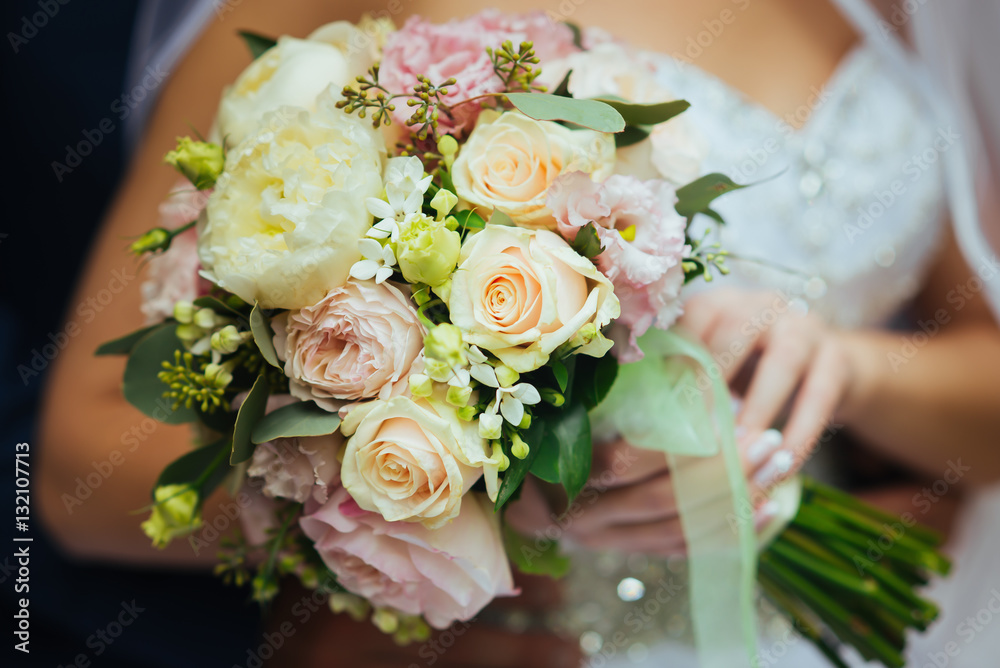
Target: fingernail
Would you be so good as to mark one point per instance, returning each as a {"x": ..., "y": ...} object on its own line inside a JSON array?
[
  {"x": 769, "y": 441},
  {"x": 764, "y": 514},
  {"x": 780, "y": 463}
]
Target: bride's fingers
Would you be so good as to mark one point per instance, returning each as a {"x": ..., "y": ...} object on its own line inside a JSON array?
[
  {"x": 817, "y": 401},
  {"x": 663, "y": 538},
  {"x": 731, "y": 346},
  {"x": 643, "y": 502},
  {"x": 620, "y": 464},
  {"x": 786, "y": 356}
]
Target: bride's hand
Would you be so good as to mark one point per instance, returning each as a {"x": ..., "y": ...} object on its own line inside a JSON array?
[{"x": 800, "y": 361}]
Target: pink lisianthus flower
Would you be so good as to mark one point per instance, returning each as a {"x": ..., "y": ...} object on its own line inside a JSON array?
[
  {"x": 172, "y": 276},
  {"x": 457, "y": 49},
  {"x": 642, "y": 238},
  {"x": 445, "y": 574}
]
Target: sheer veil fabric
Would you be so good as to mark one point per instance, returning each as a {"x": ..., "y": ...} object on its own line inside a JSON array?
[{"x": 953, "y": 76}]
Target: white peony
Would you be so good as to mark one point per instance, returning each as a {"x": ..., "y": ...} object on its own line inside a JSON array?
[
  {"x": 283, "y": 224},
  {"x": 294, "y": 73}
]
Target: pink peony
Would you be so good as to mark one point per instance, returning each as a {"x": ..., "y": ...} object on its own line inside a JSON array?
[
  {"x": 646, "y": 270},
  {"x": 457, "y": 49},
  {"x": 297, "y": 468},
  {"x": 172, "y": 276},
  {"x": 447, "y": 574},
  {"x": 361, "y": 341}
]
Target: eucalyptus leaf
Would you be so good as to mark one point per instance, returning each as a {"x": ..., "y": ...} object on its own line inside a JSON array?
[
  {"x": 141, "y": 385},
  {"x": 577, "y": 34},
  {"x": 696, "y": 196},
  {"x": 263, "y": 335},
  {"x": 632, "y": 134},
  {"x": 250, "y": 414},
  {"x": 123, "y": 345},
  {"x": 587, "y": 242},
  {"x": 534, "y": 557},
  {"x": 646, "y": 114},
  {"x": 257, "y": 43},
  {"x": 300, "y": 419},
  {"x": 572, "y": 431},
  {"x": 562, "y": 90},
  {"x": 591, "y": 114},
  {"x": 515, "y": 474},
  {"x": 204, "y": 469}
]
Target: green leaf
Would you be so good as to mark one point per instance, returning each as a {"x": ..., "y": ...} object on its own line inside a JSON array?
[
  {"x": 220, "y": 307},
  {"x": 646, "y": 114},
  {"x": 594, "y": 378},
  {"x": 498, "y": 217},
  {"x": 251, "y": 412},
  {"x": 257, "y": 43},
  {"x": 123, "y": 345},
  {"x": 632, "y": 134},
  {"x": 587, "y": 113},
  {"x": 587, "y": 242},
  {"x": 141, "y": 386},
  {"x": 469, "y": 219},
  {"x": 534, "y": 557},
  {"x": 302, "y": 418},
  {"x": 577, "y": 34},
  {"x": 561, "y": 373},
  {"x": 562, "y": 90},
  {"x": 260, "y": 327},
  {"x": 572, "y": 431},
  {"x": 519, "y": 468},
  {"x": 696, "y": 196},
  {"x": 204, "y": 468},
  {"x": 546, "y": 464}
]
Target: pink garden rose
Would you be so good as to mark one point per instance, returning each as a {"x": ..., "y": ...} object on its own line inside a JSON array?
[
  {"x": 447, "y": 574},
  {"x": 361, "y": 341},
  {"x": 643, "y": 241},
  {"x": 172, "y": 276},
  {"x": 297, "y": 468},
  {"x": 457, "y": 49}
]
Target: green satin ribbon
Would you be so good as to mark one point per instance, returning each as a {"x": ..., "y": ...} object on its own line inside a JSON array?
[{"x": 670, "y": 402}]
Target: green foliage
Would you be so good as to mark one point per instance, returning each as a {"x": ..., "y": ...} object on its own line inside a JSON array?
[
  {"x": 303, "y": 418},
  {"x": 123, "y": 345},
  {"x": 203, "y": 469},
  {"x": 540, "y": 557},
  {"x": 516, "y": 68},
  {"x": 256, "y": 43},
  {"x": 572, "y": 432},
  {"x": 587, "y": 242},
  {"x": 646, "y": 114},
  {"x": 141, "y": 385},
  {"x": 249, "y": 415},
  {"x": 260, "y": 327},
  {"x": 696, "y": 196},
  {"x": 591, "y": 114}
]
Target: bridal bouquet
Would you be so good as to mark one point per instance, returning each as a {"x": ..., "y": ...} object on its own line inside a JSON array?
[{"x": 402, "y": 276}]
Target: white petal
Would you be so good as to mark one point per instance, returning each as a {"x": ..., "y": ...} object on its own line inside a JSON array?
[
  {"x": 490, "y": 426},
  {"x": 388, "y": 256},
  {"x": 383, "y": 274},
  {"x": 376, "y": 233},
  {"x": 364, "y": 269},
  {"x": 476, "y": 355},
  {"x": 512, "y": 409},
  {"x": 485, "y": 374},
  {"x": 424, "y": 183},
  {"x": 370, "y": 249},
  {"x": 460, "y": 378},
  {"x": 526, "y": 394},
  {"x": 379, "y": 208}
]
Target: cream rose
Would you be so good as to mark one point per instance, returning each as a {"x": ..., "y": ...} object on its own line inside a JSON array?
[
  {"x": 522, "y": 293},
  {"x": 413, "y": 460},
  {"x": 360, "y": 341},
  {"x": 283, "y": 223},
  {"x": 292, "y": 74},
  {"x": 510, "y": 161}
]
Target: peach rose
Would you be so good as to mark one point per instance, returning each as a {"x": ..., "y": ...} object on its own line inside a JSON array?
[
  {"x": 510, "y": 161},
  {"x": 523, "y": 293},
  {"x": 361, "y": 341},
  {"x": 446, "y": 575},
  {"x": 412, "y": 460}
]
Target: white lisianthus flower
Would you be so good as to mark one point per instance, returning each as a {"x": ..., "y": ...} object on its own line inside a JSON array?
[
  {"x": 510, "y": 161},
  {"x": 520, "y": 294},
  {"x": 283, "y": 224},
  {"x": 293, "y": 73}
]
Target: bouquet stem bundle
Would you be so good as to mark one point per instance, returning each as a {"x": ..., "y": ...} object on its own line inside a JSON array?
[{"x": 846, "y": 573}]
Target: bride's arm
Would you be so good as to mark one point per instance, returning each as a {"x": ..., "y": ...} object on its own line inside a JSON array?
[
  {"x": 932, "y": 396},
  {"x": 85, "y": 420}
]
